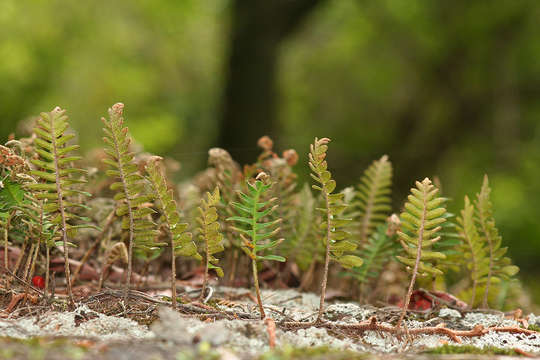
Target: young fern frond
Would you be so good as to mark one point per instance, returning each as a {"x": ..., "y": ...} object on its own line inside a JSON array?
[
  {"x": 56, "y": 171},
  {"x": 255, "y": 232},
  {"x": 500, "y": 267},
  {"x": 181, "y": 241},
  {"x": 129, "y": 187},
  {"x": 335, "y": 239},
  {"x": 210, "y": 235},
  {"x": 373, "y": 196},
  {"x": 474, "y": 255},
  {"x": 420, "y": 222},
  {"x": 378, "y": 251}
]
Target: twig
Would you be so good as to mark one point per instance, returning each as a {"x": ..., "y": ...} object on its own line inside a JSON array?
[{"x": 271, "y": 328}]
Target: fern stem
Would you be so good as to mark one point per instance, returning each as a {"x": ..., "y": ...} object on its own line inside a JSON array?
[
  {"x": 490, "y": 271},
  {"x": 47, "y": 261},
  {"x": 62, "y": 213},
  {"x": 173, "y": 275},
  {"x": 207, "y": 263},
  {"x": 418, "y": 257},
  {"x": 130, "y": 215},
  {"x": 257, "y": 289},
  {"x": 326, "y": 257},
  {"x": 6, "y": 244},
  {"x": 474, "y": 270}
]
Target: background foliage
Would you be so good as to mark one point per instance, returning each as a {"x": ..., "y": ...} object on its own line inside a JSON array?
[{"x": 444, "y": 88}]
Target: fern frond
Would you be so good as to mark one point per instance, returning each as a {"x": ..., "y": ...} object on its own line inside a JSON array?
[
  {"x": 420, "y": 222},
  {"x": 210, "y": 234},
  {"x": 129, "y": 187},
  {"x": 373, "y": 196},
  {"x": 58, "y": 176},
  {"x": 474, "y": 255},
  {"x": 256, "y": 233},
  {"x": 378, "y": 251},
  {"x": 181, "y": 241},
  {"x": 336, "y": 244},
  {"x": 500, "y": 267}
]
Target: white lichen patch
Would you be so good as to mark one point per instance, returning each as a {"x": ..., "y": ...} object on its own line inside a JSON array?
[
  {"x": 101, "y": 327},
  {"x": 486, "y": 320},
  {"x": 449, "y": 313}
]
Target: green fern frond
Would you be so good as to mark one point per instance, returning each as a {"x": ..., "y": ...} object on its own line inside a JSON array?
[
  {"x": 335, "y": 241},
  {"x": 500, "y": 267},
  {"x": 129, "y": 187},
  {"x": 338, "y": 245},
  {"x": 377, "y": 252},
  {"x": 256, "y": 233},
  {"x": 373, "y": 196},
  {"x": 420, "y": 222},
  {"x": 209, "y": 234},
  {"x": 474, "y": 256},
  {"x": 58, "y": 177},
  {"x": 181, "y": 241},
  {"x": 304, "y": 245}
]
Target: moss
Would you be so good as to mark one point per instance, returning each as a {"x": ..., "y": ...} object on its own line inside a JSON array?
[
  {"x": 469, "y": 349},
  {"x": 534, "y": 327},
  {"x": 320, "y": 352},
  {"x": 38, "y": 348}
]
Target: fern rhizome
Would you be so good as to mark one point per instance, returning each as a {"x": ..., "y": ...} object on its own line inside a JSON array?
[{"x": 239, "y": 219}]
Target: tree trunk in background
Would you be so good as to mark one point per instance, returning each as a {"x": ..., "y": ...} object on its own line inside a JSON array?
[{"x": 258, "y": 27}]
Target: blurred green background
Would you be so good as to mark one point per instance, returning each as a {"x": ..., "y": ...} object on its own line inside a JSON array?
[{"x": 446, "y": 88}]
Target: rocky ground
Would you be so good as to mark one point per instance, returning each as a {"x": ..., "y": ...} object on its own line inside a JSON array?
[{"x": 87, "y": 333}]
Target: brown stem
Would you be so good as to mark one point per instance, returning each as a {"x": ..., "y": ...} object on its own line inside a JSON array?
[
  {"x": 326, "y": 257},
  {"x": 258, "y": 291},
  {"x": 173, "y": 274},
  {"x": 47, "y": 261},
  {"x": 416, "y": 263},
  {"x": 491, "y": 260},
  {"x": 205, "y": 279},
  {"x": 232, "y": 274},
  {"x": 29, "y": 261},
  {"x": 6, "y": 242},
  {"x": 97, "y": 241}
]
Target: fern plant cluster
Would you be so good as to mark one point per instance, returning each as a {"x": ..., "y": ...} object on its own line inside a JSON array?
[{"x": 241, "y": 222}]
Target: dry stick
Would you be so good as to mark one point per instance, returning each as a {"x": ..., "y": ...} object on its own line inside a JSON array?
[
  {"x": 271, "y": 328},
  {"x": 99, "y": 238},
  {"x": 326, "y": 258},
  {"x": 417, "y": 262},
  {"x": 47, "y": 261}
]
